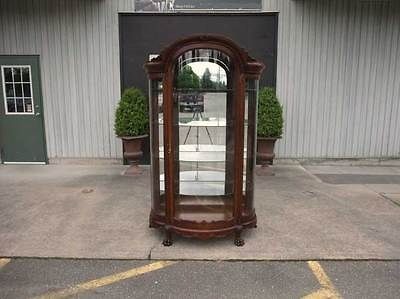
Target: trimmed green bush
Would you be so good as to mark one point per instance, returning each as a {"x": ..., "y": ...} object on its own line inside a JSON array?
[
  {"x": 131, "y": 116},
  {"x": 187, "y": 78},
  {"x": 270, "y": 119}
]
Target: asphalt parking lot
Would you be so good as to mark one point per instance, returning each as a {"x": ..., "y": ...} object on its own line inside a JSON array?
[{"x": 61, "y": 278}]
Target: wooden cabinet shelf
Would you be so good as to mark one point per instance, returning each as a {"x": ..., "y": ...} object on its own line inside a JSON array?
[
  {"x": 211, "y": 122},
  {"x": 201, "y": 182},
  {"x": 200, "y": 153}
]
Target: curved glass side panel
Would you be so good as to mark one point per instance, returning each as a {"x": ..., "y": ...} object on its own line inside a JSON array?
[
  {"x": 156, "y": 131},
  {"x": 250, "y": 141}
]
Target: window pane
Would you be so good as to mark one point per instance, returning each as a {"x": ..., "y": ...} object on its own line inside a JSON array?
[
  {"x": 20, "y": 105},
  {"x": 27, "y": 90},
  {"x": 7, "y": 74},
  {"x": 25, "y": 74},
  {"x": 17, "y": 74},
  {"x": 10, "y": 105},
  {"x": 18, "y": 90},
  {"x": 9, "y": 90},
  {"x": 28, "y": 105}
]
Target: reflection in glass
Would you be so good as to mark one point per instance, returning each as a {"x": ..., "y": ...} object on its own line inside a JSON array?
[
  {"x": 17, "y": 74},
  {"x": 8, "y": 74},
  {"x": 201, "y": 76},
  {"x": 204, "y": 119},
  {"x": 27, "y": 90},
  {"x": 18, "y": 90},
  {"x": 250, "y": 141},
  {"x": 10, "y": 105},
  {"x": 25, "y": 75},
  {"x": 159, "y": 99},
  {"x": 20, "y": 105},
  {"x": 156, "y": 131},
  {"x": 28, "y": 105},
  {"x": 9, "y": 90}
]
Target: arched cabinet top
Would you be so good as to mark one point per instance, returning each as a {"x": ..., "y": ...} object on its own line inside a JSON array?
[{"x": 157, "y": 67}]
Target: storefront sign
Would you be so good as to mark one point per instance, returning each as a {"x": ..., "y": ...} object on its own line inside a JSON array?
[{"x": 182, "y": 5}]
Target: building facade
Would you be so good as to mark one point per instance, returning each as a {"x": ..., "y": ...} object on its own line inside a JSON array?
[{"x": 337, "y": 74}]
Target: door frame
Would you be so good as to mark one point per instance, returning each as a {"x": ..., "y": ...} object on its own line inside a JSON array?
[{"x": 35, "y": 59}]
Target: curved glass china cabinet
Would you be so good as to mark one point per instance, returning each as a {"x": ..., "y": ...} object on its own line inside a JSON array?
[{"x": 203, "y": 106}]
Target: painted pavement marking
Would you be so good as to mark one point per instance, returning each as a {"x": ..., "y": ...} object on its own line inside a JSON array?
[
  {"x": 4, "y": 261},
  {"x": 106, "y": 280},
  {"x": 327, "y": 290}
]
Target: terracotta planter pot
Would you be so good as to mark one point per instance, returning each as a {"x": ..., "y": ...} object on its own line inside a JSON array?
[
  {"x": 133, "y": 148},
  {"x": 265, "y": 150}
]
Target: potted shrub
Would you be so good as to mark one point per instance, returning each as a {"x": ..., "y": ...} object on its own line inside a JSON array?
[
  {"x": 269, "y": 125},
  {"x": 132, "y": 125}
]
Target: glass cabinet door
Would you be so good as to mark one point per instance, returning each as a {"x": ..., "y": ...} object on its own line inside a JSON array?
[{"x": 203, "y": 136}]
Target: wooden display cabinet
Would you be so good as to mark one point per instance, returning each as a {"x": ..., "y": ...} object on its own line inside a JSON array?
[{"x": 203, "y": 106}]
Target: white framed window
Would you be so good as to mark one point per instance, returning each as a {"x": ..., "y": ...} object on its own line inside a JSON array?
[{"x": 17, "y": 89}]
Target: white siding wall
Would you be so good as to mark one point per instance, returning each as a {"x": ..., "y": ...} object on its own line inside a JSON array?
[
  {"x": 338, "y": 73},
  {"x": 339, "y": 77},
  {"x": 79, "y": 49}
]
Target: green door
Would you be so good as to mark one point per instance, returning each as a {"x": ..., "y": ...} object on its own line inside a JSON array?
[{"x": 22, "y": 138}]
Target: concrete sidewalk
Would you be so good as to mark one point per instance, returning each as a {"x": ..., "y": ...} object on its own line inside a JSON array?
[{"x": 303, "y": 214}]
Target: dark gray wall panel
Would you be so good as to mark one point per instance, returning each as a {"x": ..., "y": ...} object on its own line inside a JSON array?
[{"x": 144, "y": 34}]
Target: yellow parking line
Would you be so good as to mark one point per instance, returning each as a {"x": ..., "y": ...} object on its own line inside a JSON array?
[
  {"x": 320, "y": 294},
  {"x": 320, "y": 274},
  {"x": 4, "y": 261},
  {"x": 328, "y": 290},
  {"x": 107, "y": 280}
]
